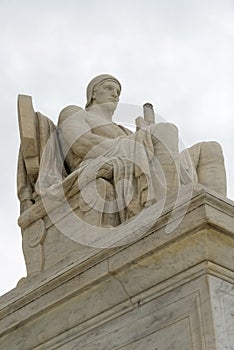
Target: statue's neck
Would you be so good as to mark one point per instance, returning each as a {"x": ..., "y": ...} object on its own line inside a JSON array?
[{"x": 104, "y": 111}]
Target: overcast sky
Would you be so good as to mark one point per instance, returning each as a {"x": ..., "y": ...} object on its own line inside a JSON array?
[{"x": 177, "y": 54}]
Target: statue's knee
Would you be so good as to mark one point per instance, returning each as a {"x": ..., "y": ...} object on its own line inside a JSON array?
[
  {"x": 167, "y": 127},
  {"x": 211, "y": 169},
  {"x": 211, "y": 149},
  {"x": 167, "y": 134}
]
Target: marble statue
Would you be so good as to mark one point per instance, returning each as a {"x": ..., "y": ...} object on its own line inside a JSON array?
[
  {"x": 128, "y": 242},
  {"x": 117, "y": 172},
  {"x": 106, "y": 173}
]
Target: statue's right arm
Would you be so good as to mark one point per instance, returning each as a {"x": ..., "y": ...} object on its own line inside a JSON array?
[
  {"x": 93, "y": 144},
  {"x": 80, "y": 137}
]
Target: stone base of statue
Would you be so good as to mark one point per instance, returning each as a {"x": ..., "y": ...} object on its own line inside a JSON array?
[{"x": 168, "y": 289}]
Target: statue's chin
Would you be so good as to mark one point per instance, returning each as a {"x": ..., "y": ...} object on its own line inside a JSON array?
[
  {"x": 107, "y": 107},
  {"x": 110, "y": 106}
]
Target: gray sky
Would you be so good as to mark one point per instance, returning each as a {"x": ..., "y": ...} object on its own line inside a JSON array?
[{"x": 177, "y": 54}]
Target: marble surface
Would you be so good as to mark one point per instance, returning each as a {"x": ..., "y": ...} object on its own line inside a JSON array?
[{"x": 164, "y": 291}]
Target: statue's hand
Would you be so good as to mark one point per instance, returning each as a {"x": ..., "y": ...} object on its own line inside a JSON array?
[
  {"x": 141, "y": 123},
  {"x": 106, "y": 171}
]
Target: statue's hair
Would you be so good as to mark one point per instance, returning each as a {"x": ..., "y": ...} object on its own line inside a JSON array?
[{"x": 96, "y": 81}]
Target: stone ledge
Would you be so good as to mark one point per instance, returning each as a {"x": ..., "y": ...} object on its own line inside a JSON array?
[
  {"x": 205, "y": 211},
  {"x": 129, "y": 276}
]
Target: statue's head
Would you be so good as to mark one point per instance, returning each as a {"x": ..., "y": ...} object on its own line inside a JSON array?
[{"x": 98, "y": 85}]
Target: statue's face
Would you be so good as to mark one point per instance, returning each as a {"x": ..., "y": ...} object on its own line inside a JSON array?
[{"x": 106, "y": 92}]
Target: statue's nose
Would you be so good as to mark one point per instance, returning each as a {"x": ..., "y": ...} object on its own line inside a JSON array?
[{"x": 115, "y": 92}]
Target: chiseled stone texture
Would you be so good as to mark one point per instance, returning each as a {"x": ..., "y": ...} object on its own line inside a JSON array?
[{"x": 162, "y": 292}]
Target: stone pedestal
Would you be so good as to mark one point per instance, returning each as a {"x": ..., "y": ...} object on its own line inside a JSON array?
[{"x": 164, "y": 291}]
